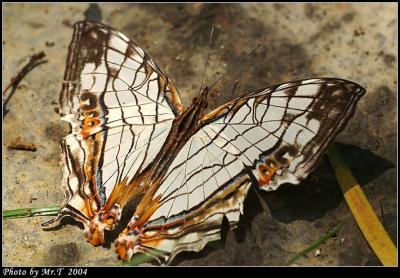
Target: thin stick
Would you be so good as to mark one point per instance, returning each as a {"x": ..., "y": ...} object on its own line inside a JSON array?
[
  {"x": 22, "y": 147},
  {"x": 16, "y": 79}
]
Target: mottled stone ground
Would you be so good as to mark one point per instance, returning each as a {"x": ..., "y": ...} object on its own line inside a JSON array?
[{"x": 351, "y": 41}]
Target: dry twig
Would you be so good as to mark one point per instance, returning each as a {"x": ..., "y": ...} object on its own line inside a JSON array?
[
  {"x": 20, "y": 146},
  {"x": 30, "y": 65}
]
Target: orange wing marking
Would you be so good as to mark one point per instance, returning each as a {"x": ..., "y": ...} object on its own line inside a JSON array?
[{"x": 266, "y": 172}]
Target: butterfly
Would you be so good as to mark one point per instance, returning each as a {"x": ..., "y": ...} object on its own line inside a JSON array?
[{"x": 132, "y": 138}]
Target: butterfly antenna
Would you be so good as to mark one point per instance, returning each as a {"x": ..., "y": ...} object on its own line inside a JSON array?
[
  {"x": 234, "y": 66},
  {"x": 234, "y": 88},
  {"x": 208, "y": 56}
]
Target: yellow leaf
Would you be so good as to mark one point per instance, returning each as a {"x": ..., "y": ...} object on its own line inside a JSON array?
[{"x": 363, "y": 213}]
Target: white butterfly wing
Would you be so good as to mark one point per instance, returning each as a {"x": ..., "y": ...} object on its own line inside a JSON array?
[
  {"x": 120, "y": 107},
  {"x": 269, "y": 137},
  {"x": 284, "y": 129}
]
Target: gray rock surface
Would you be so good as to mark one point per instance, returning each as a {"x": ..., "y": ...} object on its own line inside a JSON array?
[{"x": 350, "y": 41}]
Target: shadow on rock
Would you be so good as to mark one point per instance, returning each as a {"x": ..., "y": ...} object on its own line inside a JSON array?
[
  {"x": 208, "y": 249},
  {"x": 320, "y": 193},
  {"x": 64, "y": 254}
]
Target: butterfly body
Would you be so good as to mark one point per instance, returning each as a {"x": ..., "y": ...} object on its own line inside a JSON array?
[{"x": 133, "y": 139}]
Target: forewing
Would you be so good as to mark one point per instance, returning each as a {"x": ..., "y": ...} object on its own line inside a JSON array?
[
  {"x": 100, "y": 60},
  {"x": 273, "y": 136},
  {"x": 120, "y": 106},
  {"x": 282, "y": 131}
]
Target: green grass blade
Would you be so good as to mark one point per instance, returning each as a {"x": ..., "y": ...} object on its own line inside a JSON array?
[
  {"x": 29, "y": 212},
  {"x": 138, "y": 259},
  {"x": 316, "y": 244}
]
